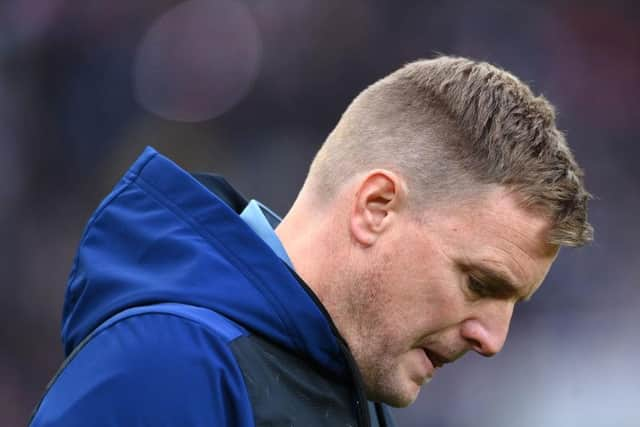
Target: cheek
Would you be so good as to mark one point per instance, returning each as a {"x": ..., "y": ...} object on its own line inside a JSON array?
[
  {"x": 427, "y": 293},
  {"x": 410, "y": 289},
  {"x": 386, "y": 311},
  {"x": 424, "y": 277}
]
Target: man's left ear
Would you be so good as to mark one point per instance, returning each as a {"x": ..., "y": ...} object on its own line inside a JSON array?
[{"x": 379, "y": 197}]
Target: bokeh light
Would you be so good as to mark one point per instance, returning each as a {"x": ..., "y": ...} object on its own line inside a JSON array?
[{"x": 197, "y": 60}]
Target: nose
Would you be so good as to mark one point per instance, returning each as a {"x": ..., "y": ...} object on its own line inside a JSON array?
[{"x": 487, "y": 331}]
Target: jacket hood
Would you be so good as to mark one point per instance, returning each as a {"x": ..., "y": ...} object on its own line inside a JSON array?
[{"x": 162, "y": 236}]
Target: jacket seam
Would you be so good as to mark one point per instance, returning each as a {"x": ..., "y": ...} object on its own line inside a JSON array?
[{"x": 199, "y": 324}]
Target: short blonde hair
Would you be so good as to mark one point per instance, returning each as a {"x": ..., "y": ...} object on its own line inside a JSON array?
[{"x": 448, "y": 124}]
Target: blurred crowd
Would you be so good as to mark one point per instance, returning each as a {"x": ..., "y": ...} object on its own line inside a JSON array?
[{"x": 250, "y": 89}]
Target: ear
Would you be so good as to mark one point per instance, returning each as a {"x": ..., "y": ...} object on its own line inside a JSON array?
[{"x": 378, "y": 199}]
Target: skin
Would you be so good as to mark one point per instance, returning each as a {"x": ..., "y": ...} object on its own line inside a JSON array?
[{"x": 408, "y": 290}]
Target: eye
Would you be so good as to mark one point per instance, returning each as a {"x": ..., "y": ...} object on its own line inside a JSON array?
[{"x": 477, "y": 287}]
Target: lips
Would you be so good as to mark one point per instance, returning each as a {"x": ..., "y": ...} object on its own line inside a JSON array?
[{"x": 436, "y": 359}]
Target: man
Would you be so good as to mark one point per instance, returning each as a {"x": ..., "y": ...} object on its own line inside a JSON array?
[{"x": 438, "y": 202}]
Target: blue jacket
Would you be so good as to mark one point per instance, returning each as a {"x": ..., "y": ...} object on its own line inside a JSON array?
[{"x": 174, "y": 311}]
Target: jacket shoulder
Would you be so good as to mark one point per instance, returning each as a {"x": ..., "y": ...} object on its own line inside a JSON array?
[{"x": 168, "y": 365}]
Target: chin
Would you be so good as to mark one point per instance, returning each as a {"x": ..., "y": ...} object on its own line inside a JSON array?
[{"x": 398, "y": 396}]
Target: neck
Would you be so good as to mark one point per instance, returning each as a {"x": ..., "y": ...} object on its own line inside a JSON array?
[
  {"x": 296, "y": 234},
  {"x": 309, "y": 234},
  {"x": 317, "y": 241}
]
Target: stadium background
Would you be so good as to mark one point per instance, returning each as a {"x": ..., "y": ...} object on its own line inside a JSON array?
[{"x": 249, "y": 89}]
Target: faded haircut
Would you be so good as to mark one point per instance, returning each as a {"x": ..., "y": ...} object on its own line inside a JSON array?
[{"x": 449, "y": 124}]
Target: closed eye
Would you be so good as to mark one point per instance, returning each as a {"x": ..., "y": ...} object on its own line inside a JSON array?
[
  {"x": 492, "y": 288},
  {"x": 478, "y": 288}
]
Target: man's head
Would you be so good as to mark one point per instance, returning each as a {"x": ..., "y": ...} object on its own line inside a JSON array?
[{"x": 437, "y": 203}]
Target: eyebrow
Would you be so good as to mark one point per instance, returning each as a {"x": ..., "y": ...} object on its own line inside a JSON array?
[{"x": 496, "y": 283}]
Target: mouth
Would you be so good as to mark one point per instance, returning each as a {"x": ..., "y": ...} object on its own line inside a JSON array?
[{"x": 436, "y": 359}]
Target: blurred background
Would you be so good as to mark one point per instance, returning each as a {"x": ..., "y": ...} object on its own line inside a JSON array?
[{"x": 250, "y": 89}]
